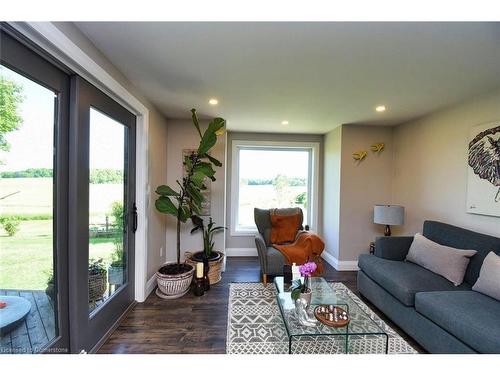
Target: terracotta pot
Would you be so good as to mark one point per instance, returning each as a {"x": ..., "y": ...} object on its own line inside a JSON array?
[{"x": 173, "y": 286}]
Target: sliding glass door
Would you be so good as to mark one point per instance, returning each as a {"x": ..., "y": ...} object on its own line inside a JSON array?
[
  {"x": 102, "y": 213},
  {"x": 34, "y": 97},
  {"x": 67, "y": 211}
]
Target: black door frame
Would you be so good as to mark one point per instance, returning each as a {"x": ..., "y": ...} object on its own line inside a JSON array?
[
  {"x": 17, "y": 54},
  {"x": 83, "y": 325}
]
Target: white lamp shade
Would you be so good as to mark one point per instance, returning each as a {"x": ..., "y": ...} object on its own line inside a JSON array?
[{"x": 388, "y": 214}]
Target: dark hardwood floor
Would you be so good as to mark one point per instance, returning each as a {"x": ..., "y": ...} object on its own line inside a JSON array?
[{"x": 198, "y": 324}]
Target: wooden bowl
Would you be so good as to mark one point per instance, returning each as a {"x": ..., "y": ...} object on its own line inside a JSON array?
[{"x": 325, "y": 317}]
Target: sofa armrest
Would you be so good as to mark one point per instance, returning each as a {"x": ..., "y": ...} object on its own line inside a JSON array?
[
  {"x": 392, "y": 248},
  {"x": 260, "y": 243}
]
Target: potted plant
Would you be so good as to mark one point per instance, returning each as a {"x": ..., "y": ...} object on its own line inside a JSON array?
[
  {"x": 115, "y": 269},
  {"x": 302, "y": 289},
  {"x": 97, "y": 279},
  {"x": 210, "y": 258},
  {"x": 174, "y": 278},
  {"x": 51, "y": 289}
]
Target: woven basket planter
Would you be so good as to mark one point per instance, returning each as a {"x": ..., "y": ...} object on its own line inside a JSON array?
[
  {"x": 215, "y": 267},
  {"x": 173, "y": 286},
  {"x": 97, "y": 286}
]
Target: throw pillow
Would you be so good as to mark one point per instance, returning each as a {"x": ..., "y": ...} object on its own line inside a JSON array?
[
  {"x": 489, "y": 277},
  {"x": 284, "y": 227},
  {"x": 446, "y": 261}
]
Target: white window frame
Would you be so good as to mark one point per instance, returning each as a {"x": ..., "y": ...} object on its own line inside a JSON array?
[{"x": 313, "y": 178}]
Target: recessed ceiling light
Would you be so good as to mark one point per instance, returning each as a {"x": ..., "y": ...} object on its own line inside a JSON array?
[
  {"x": 380, "y": 108},
  {"x": 213, "y": 101},
  {"x": 284, "y": 122}
]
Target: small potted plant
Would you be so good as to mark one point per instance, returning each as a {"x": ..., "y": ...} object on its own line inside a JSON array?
[
  {"x": 302, "y": 289},
  {"x": 97, "y": 279},
  {"x": 116, "y": 268},
  {"x": 211, "y": 258},
  {"x": 50, "y": 291}
]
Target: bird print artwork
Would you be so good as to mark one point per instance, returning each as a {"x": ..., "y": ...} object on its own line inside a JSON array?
[
  {"x": 359, "y": 156},
  {"x": 377, "y": 147},
  {"x": 484, "y": 157}
]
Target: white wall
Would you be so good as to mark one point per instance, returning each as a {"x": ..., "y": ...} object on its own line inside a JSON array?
[
  {"x": 363, "y": 185},
  {"x": 182, "y": 134},
  {"x": 430, "y": 166},
  {"x": 331, "y": 191}
]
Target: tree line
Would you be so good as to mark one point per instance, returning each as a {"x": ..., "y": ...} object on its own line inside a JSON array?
[
  {"x": 97, "y": 176},
  {"x": 291, "y": 181}
]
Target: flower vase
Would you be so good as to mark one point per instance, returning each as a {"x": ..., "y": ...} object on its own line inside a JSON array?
[{"x": 307, "y": 294}]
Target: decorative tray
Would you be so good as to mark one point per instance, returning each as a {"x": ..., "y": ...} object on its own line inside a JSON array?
[{"x": 332, "y": 316}]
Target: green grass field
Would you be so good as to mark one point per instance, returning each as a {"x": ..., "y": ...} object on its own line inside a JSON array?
[{"x": 27, "y": 257}]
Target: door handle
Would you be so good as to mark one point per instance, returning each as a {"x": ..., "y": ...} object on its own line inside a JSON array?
[{"x": 134, "y": 218}]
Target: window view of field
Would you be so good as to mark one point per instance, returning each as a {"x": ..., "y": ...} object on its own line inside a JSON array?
[{"x": 271, "y": 179}]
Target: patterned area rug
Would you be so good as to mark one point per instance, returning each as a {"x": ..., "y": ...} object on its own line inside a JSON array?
[{"x": 255, "y": 326}]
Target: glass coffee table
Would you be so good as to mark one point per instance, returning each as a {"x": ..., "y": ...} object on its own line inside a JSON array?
[{"x": 361, "y": 325}]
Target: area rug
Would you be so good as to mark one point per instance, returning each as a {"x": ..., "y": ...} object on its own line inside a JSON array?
[{"x": 255, "y": 326}]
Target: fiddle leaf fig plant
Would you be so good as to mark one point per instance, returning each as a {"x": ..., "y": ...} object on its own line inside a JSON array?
[{"x": 186, "y": 199}]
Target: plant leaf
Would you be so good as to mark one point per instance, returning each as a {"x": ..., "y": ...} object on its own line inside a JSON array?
[
  {"x": 195, "y": 121},
  {"x": 165, "y": 205},
  {"x": 204, "y": 168},
  {"x": 214, "y": 161},
  {"x": 166, "y": 191},
  {"x": 295, "y": 294}
]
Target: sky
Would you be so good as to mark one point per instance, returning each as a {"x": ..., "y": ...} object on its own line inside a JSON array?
[
  {"x": 31, "y": 146},
  {"x": 267, "y": 164}
]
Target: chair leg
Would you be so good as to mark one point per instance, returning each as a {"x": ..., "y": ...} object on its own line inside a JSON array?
[{"x": 264, "y": 279}]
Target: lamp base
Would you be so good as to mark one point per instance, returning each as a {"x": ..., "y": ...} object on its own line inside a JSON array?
[{"x": 387, "y": 231}]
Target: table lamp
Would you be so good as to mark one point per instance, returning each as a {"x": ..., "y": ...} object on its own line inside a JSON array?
[{"x": 388, "y": 215}]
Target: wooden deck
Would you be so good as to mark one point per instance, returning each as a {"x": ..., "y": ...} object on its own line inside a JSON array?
[{"x": 36, "y": 331}]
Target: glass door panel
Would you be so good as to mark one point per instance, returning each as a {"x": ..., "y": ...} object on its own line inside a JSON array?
[
  {"x": 28, "y": 292},
  {"x": 102, "y": 192},
  {"x": 107, "y": 199}
]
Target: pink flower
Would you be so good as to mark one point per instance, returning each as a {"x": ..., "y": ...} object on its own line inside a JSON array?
[{"x": 307, "y": 269}]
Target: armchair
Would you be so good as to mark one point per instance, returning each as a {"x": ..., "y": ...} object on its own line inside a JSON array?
[{"x": 271, "y": 260}]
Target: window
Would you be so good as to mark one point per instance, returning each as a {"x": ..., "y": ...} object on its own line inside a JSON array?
[{"x": 272, "y": 175}]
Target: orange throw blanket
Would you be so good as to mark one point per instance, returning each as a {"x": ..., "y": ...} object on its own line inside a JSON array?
[{"x": 307, "y": 247}]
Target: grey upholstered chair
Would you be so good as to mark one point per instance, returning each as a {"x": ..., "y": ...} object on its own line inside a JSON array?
[{"x": 271, "y": 260}]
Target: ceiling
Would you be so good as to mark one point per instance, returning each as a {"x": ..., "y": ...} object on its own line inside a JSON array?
[{"x": 314, "y": 75}]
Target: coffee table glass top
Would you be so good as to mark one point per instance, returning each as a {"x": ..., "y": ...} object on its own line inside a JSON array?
[{"x": 322, "y": 293}]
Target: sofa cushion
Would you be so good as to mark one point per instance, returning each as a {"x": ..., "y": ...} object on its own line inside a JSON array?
[
  {"x": 461, "y": 238},
  {"x": 489, "y": 277},
  {"x": 404, "y": 279},
  {"x": 470, "y": 316},
  {"x": 446, "y": 261}
]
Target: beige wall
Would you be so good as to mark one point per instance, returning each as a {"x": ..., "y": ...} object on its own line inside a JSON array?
[
  {"x": 157, "y": 143},
  {"x": 183, "y": 135},
  {"x": 430, "y": 174},
  {"x": 363, "y": 185},
  {"x": 247, "y": 242},
  {"x": 331, "y": 189}
]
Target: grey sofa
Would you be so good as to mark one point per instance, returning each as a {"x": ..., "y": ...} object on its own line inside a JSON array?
[
  {"x": 271, "y": 260},
  {"x": 439, "y": 316}
]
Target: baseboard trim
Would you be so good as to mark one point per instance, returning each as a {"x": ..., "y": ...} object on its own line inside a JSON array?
[
  {"x": 241, "y": 252},
  {"x": 340, "y": 265},
  {"x": 150, "y": 286}
]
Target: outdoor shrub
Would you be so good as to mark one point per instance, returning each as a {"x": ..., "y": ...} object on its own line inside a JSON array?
[{"x": 11, "y": 226}]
